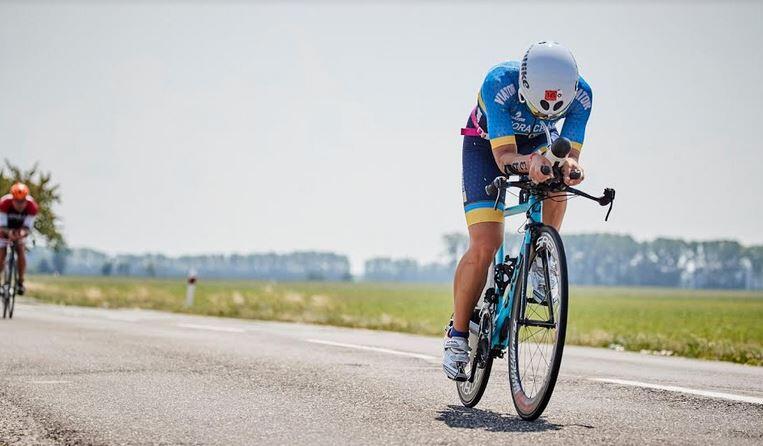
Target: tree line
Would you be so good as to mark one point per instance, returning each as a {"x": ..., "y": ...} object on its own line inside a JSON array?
[
  {"x": 308, "y": 265},
  {"x": 593, "y": 259},
  {"x": 610, "y": 259}
]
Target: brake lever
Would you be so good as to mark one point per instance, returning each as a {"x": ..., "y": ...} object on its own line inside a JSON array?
[
  {"x": 608, "y": 198},
  {"x": 501, "y": 191}
]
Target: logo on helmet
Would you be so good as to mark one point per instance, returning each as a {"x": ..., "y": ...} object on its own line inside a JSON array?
[
  {"x": 523, "y": 71},
  {"x": 552, "y": 95}
]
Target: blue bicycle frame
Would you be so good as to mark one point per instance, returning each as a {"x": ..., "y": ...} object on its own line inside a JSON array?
[{"x": 533, "y": 209}]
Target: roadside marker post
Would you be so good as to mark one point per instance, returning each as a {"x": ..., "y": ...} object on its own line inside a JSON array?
[{"x": 191, "y": 290}]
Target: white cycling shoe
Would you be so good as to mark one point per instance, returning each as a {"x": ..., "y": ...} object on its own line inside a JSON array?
[
  {"x": 538, "y": 282},
  {"x": 455, "y": 357}
]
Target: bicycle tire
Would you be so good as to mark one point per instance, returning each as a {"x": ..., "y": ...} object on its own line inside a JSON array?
[
  {"x": 5, "y": 290},
  {"x": 9, "y": 286},
  {"x": 531, "y": 406},
  {"x": 470, "y": 392},
  {"x": 11, "y": 300}
]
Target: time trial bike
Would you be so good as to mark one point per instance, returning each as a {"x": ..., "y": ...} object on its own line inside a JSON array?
[{"x": 523, "y": 309}]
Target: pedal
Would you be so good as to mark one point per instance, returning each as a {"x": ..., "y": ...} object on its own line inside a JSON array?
[{"x": 460, "y": 375}]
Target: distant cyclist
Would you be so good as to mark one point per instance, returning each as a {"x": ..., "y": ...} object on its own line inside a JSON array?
[
  {"x": 17, "y": 213},
  {"x": 518, "y": 104}
]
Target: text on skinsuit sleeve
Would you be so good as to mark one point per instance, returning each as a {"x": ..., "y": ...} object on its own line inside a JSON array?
[
  {"x": 577, "y": 116},
  {"x": 495, "y": 97}
]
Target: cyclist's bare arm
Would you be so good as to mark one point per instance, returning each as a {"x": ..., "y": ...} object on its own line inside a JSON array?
[
  {"x": 573, "y": 163},
  {"x": 506, "y": 155}
]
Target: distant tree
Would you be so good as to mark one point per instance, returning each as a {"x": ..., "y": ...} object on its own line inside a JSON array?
[
  {"x": 387, "y": 269},
  {"x": 60, "y": 256},
  {"x": 150, "y": 269},
  {"x": 315, "y": 276},
  {"x": 44, "y": 267},
  {"x": 45, "y": 193},
  {"x": 123, "y": 269},
  {"x": 455, "y": 245},
  {"x": 107, "y": 268}
]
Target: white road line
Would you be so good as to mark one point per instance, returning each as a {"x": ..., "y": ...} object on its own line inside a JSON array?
[
  {"x": 373, "y": 349},
  {"x": 123, "y": 318},
  {"x": 212, "y": 328},
  {"x": 706, "y": 393}
]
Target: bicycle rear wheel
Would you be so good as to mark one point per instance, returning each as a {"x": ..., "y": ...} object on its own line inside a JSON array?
[
  {"x": 538, "y": 329},
  {"x": 480, "y": 361}
]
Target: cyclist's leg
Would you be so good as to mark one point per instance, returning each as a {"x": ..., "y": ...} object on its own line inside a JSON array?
[
  {"x": 553, "y": 213},
  {"x": 553, "y": 208},
  {"x": 21, "y": 260},
  {"x": 485, "y": 228},
  {"x": 484, "y": 240}
]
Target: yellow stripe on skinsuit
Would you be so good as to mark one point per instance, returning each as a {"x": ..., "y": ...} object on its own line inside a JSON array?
[
  {"x": 480, "y": 101},
  {"x": 482, "y": 215},
  {"x": 576, "y": 146},
  {"x": 502, "y": 141}
]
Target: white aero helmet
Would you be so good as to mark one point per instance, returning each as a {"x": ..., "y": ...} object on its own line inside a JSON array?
[{"x": 548, "y": 79}]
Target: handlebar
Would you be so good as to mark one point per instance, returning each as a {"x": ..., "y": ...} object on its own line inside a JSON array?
[{"x": 501, "y": 183}]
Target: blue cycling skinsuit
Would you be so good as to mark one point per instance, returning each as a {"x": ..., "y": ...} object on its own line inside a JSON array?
[{"x": 500, "y": 118}]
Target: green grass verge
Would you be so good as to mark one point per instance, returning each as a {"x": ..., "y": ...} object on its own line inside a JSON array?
[{"x": 723, "y": 325}]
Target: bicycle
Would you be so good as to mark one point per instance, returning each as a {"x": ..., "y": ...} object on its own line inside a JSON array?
[
  {"x": 528, "y": 320},
  {"x": 10, "y": 280}
]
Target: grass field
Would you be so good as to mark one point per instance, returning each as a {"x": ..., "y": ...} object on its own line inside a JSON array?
[{"x": 724, "y": 325}]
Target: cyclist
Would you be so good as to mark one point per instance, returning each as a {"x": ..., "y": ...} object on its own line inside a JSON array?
[
  {"x": 17, "y": 213},
  {"x": 518, "y": 105}
]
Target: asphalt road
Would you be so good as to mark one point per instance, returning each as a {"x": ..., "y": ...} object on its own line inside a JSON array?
[{"x": 73, "y": 375}]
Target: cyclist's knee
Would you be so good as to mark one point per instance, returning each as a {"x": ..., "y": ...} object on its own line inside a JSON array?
[{"x": 484, "y": 241}]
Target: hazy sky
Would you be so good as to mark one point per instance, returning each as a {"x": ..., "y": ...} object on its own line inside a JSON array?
[{"x": 193, "y": 127}]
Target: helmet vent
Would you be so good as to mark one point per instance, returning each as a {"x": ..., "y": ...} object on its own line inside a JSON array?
[
  {"x": 544, "y": 104},
  {"x": 558, "y": 105}
]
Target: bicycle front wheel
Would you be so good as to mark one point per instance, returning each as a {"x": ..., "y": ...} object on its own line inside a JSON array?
[
  {"x": 9, "y": 287},
  {"x": 11, "y": 299},
  {"x": 5, "y": 298},
  {"x": 538, "y": 324}
]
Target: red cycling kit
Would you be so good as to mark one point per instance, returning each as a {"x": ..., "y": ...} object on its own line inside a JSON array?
[{"x": 12, "y": 218}]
